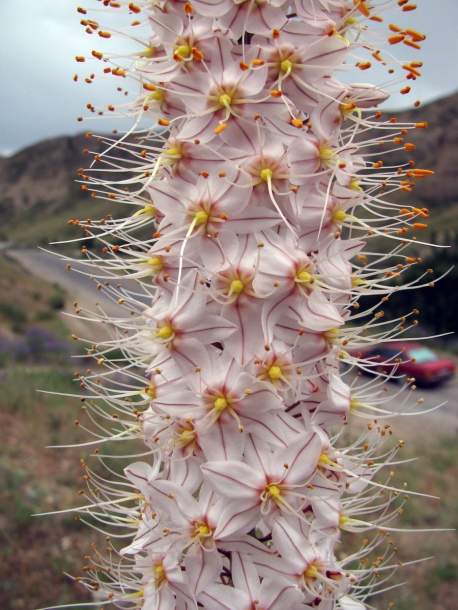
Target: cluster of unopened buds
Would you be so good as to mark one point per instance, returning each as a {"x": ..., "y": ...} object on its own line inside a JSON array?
[{"x": 255, "y": 183}]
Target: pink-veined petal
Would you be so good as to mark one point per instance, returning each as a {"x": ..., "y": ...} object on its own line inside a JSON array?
[
  {"x": 222, "y": 597},
  {"x": 234, "y": 479}
]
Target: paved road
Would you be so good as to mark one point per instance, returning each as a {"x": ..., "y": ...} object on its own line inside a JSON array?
[
  {"x": 78, "y": 286},
  {"x": 427, "y": 425}
]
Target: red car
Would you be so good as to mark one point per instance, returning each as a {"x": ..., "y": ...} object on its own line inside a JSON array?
[{"x": 412, "y": 360}]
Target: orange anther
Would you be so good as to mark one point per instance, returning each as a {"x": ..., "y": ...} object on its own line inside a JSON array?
[
  {"x": 198, "y": 56},
  {"x": 422, "y": 125},
  {"x": 163, "y": 122},
  {"x": 188, "y": 8},
  {"x": 97, "y": 54},
  {"x": 362, "y": 7},
  {"x": 395, "y": 28},
  {"x": 275, "y": 34},
  {"x": 364, "y": 65},
  {"x": 409, "y": 7},
  {"x": 149, "y": 87},
  {"x": 221, "y": 127},
  {"x": 415, "y": 35},
  {"x": 409, "y": 146},
  {"x": 134, "y": 8},
  {"x": 420, "y": 212},
  {"x": 297, "y": 123},
  {"x": 244, "y": 66},
  {"x": 412, "y": 70},
  {"x": 411, "y": 43},
  {"x": 104, "y": 34},
  {"x": 419, "y": 225},
  {"x": 275, "y": 93},
  {"x": 257, "y": 62},
  {"x": 396, "y": 39},
  {"x": 420, "y": 173}
]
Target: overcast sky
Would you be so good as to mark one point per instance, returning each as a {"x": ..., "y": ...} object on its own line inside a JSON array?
[{"x": 40, "y": 38}]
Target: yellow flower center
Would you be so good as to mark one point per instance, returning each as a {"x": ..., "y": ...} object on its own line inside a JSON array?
[
  {"x": 165, "y": 332},
  {"x": 201, "y": 217},
  {"x": 151, "y": 391},
  {"x": 204, "y": 530},
  {"x": 326, "y": 154},
  {"x": 148, "y": 52},
  {"x": 311, "y": 571},
  {"x": 274, "y": 372},
  {"x": 220, "y": 404},
  {"x": 304, "y": 277},
  {"x": 157, "y": 95},
  {"x": 273, "y": 492},
  {"x": 355, "y": 186},
  {"x": 339, "y": 216},
  {"x": 225, "y": 100},
  {"x": 237, "y": 286},
  {"x": 149, "y": 209},
  {"x": 184, "y": 50},
  {"x": 173, "y": 151},
  {"x": 286, "y": 65},
  {"x": 324, "y": 459},
  {"x": 266, "y": 174},
  {"x": 155, "y": 262}
]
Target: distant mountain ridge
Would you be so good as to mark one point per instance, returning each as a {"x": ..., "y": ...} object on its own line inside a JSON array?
[{"x": 38, "y": 188}]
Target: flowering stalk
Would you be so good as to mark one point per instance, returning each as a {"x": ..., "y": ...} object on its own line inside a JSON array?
[{"x": 255, "y": 187}]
